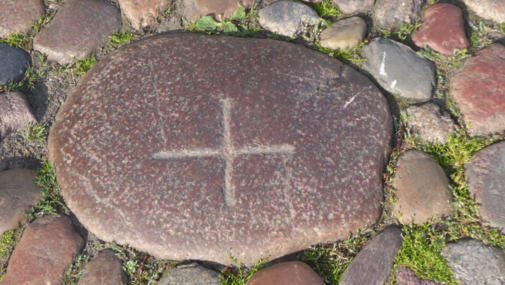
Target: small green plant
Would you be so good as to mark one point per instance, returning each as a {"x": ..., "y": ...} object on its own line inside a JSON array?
[
  {"x": 51, "y": 202},
  {"x": 241, "y": 275},
  {"x": 330, "y": 260},
  {"x": 327, "y": 9},
  {"x": 75, "y": 271},
  {"x": 120, "y": 39},
  {"x": 352, "y": 56},
  {"x": 36, "y": 132},
  {"x": 6, "y": 243},
  {"x": 19, "y": 40},
  {"x": 403, "y": 34},
  {"x": 228, "y": 26},
  {"x": 82, "y": 66},
  {"x": 421, "y": 252}
]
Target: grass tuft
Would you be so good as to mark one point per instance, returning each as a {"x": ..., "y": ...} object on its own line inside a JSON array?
[
  {"x": 6, "y": 243},
  {"x": 421, "y": 252},
  {"x": 239, "y": 275},
  {"x": 36, "y": 132},
  {"x": 327, "y": 9},
  {"x": 51, "y": 202},
  {"x": 330, "y": 260},
  {"x": 120, "y": 39},
  {"x": 82, "y": 66}
]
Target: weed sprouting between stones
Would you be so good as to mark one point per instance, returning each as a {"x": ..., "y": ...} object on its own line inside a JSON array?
[
  {"x": 120, "y": 39},
  {"x": 240, "y": 274},
  {"x": 327, "y": 9},
  {"x": 37, "y": 131},
  {"x": 25, "y": 40},
  {"x": 6, "y": 242},
  {"x": 51, "y": 202},
  {"x": 80, "y": 67}
]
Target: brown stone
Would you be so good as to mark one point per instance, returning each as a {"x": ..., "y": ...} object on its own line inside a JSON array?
[
  {"x": 422, "y": 188},
  {"x": 344, "y": 34},
  {"x": 354, "y": 6},
  {"x": 394, "y": 13},
  {"x": 16, "y": 16},
  {"x": 443, "y": 29},
  {"x": 286, "y": 273},
  {"x": 405, "y": 276},
  {"x": 142, "y": 13},
  {"x": 479, "y": 90},
  {"x": 79, "y": 27},
  {"x": 193, "y": 274},
  {"x": 430, "y": 123},
  {"x": 105, "y": 269},
  {"x": 486, "y": 183},
  {"x": 15, "y": 113},
  {"x": 374, "y": 262},
  {"x": 194, "y": 9},
  {"x": 46, "y": 250},
  {"x": 488, "y": 9},
  {"x": 192, "y": 146},
  {"x": 18, "y": 192}
]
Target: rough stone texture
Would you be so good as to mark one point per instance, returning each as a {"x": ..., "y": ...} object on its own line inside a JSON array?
[
  {"x": 18, "y": 192},
  {"x": 105, "y": 269},
  {"x": 430, "y": 123},
  {"x": 286, "y": 273},
  {"x": 344, "y": 34},
  {"x": 354, "y": 6},
  {"x": 405, "y": 276},
  {"x": 190, "y": 274},
  {"x": 17, "y": 15},
  {"x": 13, "y": 63},
  {"x": 79, "y": 27},
  {"x": 15, "y": 113},
  {"x": 443, "y": 29},
  {"x": 287, "y": 18},
  {"x": 374, "y": 262},
  {"x": 194, "y": 147},
  {"x": 400, "y": 70},
  {"x": 142, "y": 13},
  {"x": 479, "y": 90},
  {"x": 422, "y": 188},
  {"x": 486, "y": 183},
  {"x": 46, "y": 250},
  {"x": 194, "y": 9},
  {"x": 488, "y": 9},
  {"x": 475, "y": 263},
  {"x": 394, "y": 13}
]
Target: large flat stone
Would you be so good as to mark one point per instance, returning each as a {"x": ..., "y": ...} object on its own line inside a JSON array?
[
  {"x": 194, "y": 147},
  {"x": 142, "y": 13},
  {"x": 479, "y": 90},
  {"x": 475, "y": 263},
  {"x": 46, "y": 250},
  {"x": 394, "y": 13},
  {"x": 194, "y": 9},
  {"x": 486, "y": 183},
  {"x": 18, "y": 192},
  {"x": 286, "y": 273},
  {"x": 16, "y": 16},
  {"x": 13, "y": 63},
  {"x": 488, "y": 9},
  {"x": 374, "y": 262},
  {"x": 399, "y": 70},
  {"x": 443, "y": 29},
  {"x": 79, "y": 27}
]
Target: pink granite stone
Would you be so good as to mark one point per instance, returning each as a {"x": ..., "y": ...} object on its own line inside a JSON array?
[
  {"x": 192, "y": 146},
  {"x": 46, "y": 250},
  {"x": 15, "y": 113},
  {"x": 79, "y": 27},
  {"x": 16, "y": 16},
  {"x": 443, "y": 29},
  {"x": 479, "y": 90}
]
